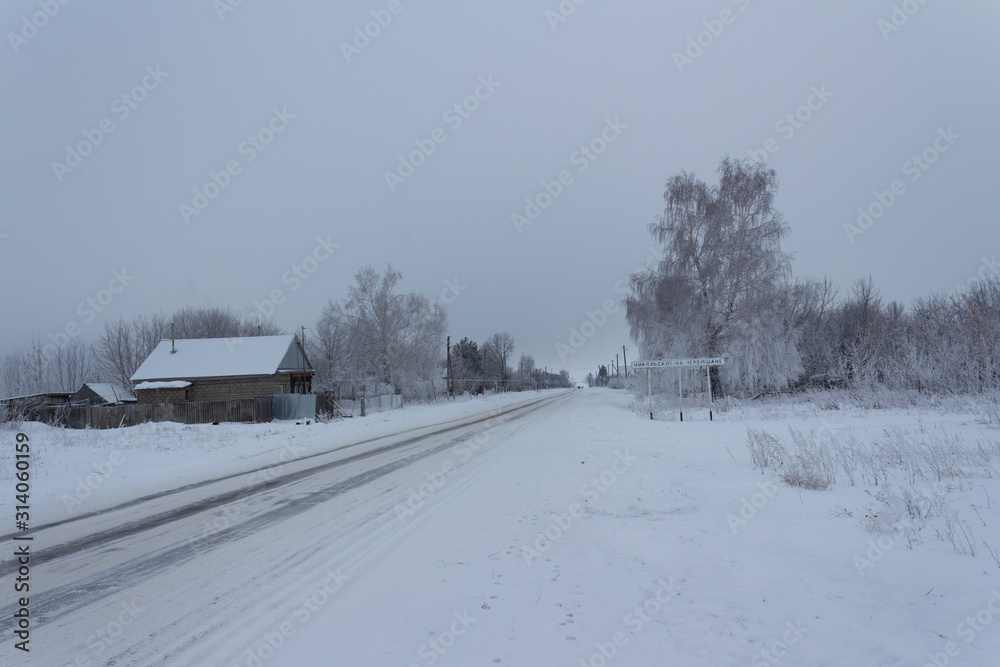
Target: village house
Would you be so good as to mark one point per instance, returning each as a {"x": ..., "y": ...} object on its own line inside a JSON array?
[{"x": 223, "y": 369}]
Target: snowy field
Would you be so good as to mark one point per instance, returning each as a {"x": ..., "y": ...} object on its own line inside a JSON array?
[{"x": 570, "y": 531}]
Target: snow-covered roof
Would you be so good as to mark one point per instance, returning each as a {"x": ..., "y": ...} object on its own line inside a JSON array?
[
  {"x": 222, "y": 357},
  {"x": 175, "y": 384},
  {"x": 44, "y": 394},
  {"x": 110, "y": 392}
]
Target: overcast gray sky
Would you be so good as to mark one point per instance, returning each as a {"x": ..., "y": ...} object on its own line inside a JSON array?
[{"x": 201, "y": 78}]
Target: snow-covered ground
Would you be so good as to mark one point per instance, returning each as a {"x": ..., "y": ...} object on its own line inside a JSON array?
[
  {"x": 569, "y": 532},
  {"x": 125, "y": 463}
]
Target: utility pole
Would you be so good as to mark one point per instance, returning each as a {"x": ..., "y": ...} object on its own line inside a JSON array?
[
  {"x": 302, "y": 383},
  {"x": 451, "y": 379},
  {"x": 625, "y": 359},
  {"x": 618, "y": 368}
]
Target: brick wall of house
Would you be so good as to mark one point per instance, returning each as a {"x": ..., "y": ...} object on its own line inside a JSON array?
[
  {"x": 160, "y": 396},
  {"x": 229, "y": 388},
  {"x": 223, "y": 389}
]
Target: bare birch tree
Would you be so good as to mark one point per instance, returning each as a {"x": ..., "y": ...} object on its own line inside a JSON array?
[{"x": 722, "y": 269}]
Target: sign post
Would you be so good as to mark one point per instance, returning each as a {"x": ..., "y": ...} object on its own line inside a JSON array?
[
  {"x": 707, "y": 362},
  {"x": 649, "y": 381},
  {"x": 680, "y": 391},
  {"x": 708, "y": 375}
]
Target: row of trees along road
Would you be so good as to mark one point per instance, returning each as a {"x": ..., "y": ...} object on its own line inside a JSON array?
[
  {"x": 489, "y": 365},
  {"x": 120, "y": 348},
  {"x": 724, "y": 286},
  {"x": 382, "y": 340},
  {"x": 376, "y": 340}
]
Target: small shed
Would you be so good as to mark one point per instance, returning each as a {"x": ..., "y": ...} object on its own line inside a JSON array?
[
  {"x": 102, "y": 393},
  {"x": 40, "y": 407},
  {"x": 223, "y": 369}
]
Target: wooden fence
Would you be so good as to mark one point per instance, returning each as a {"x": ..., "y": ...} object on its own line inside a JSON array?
[
  {"x": 333, "y": 404},
  {"x": 257, "y": 409}
]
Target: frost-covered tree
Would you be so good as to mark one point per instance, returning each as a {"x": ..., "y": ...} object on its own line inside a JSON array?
[
  {"x": 70, "y": 365},
  {"x": 20, "y": 375},
  {"x": 720, "y": 285},
  {"x": 813, "y": 311},
  {"x": 499, "y": 350},
  {"x": 381, "y": 336},
  {"x": 525, "y": 370},
  {"x": 467, "y": 365},
  {"x": 328, "y": 348},
  {"x": 216, "y": 322},
  {"x": 121, "y": 348}
]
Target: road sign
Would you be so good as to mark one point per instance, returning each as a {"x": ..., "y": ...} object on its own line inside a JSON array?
[{"x": 680, "y": 363}]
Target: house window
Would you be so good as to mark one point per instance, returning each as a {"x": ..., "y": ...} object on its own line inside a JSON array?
[{"x": 187, "y": 394}]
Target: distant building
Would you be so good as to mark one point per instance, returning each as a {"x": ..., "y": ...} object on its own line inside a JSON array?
[
  {"x": 34, "y": 406},
  {"x": 102, "y": 393},
  {"x": 223, "y": 369},
  {"x": 49, "y": 399}
]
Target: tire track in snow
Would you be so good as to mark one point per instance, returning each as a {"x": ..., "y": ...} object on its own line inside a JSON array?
[{"x": 55, "y": 603}]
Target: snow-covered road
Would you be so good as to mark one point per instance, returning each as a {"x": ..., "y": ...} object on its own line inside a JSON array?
[
  {"x": 543, "y": 529},
  {"x": 192, "y": 572}
]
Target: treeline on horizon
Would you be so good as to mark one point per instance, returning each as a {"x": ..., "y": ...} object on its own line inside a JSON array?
[
  {"x": 377, "y": 339},
  {"x": 725, "y": 287}
]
